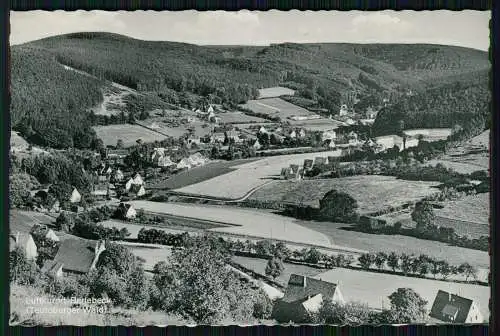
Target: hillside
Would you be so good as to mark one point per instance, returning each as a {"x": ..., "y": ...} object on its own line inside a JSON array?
[{"x": 322, "y": 74}]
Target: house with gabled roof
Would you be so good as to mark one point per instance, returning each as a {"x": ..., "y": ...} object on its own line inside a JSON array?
[
  {"x": 137, "y": 190},
  {"x": 118, "y": 175},
  {"x": 304, "y": 296},
  {"x": 77, "y": 256},
  {"x": 126, "y": 211},
  {"x": 452, "y": 308},
  {"x": 75, "y": 197},
  {"x": 26, "y": 243}
]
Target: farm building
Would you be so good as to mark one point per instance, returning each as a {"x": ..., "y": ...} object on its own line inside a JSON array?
[
  {"x": 137, "y": 190},
  {"x": 217, "y": 137},
  {"x": 328, "y": 135},
  {"x": 138, "y": 179},
  {"x": 24, "y": 242},
  {"x": 165, "y": 162},
  {"x": 319, "y": 160},
  {"x": 303, "y": 296},
  {"x": 262, "y": 130},
  {"x": 116, "y": 155},
  {"x": 452, "y": 308},
  {"x": 291, "y": 173},
  {"x": 308, "y": 164},
  {"x": 389, "y": 141},
  {"x": 343, "y": 110},
  {"x": 51, "y": 235},
  {"x": 257, "y": 145},
  {"x": 75, "y": 196},
  {"x": 233, "y": 136},
  {"x": 370, "y": 113},
  {"x": 78, "y": 256},
  {"x": 157, "y": 152},
  {"x": 126, "y": 211},
  {"x": 184, "y": 164}
]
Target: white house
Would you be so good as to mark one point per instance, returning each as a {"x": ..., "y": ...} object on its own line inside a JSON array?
[
  {"x": 127, "y": 210},
  {"x": 129, "y": 184},
  {"x": 328, "y": 135},
  {"x": 138, "y": 179},
  {"x": 343, "y": 110},
  {"x": 75, "y": 196},
  {"x": 184, "y": 163},
  {"x": 257, "y": 145},
  {"x": 118, "y": 176},
  {"x": 24, "y": 242},
  {"x": 262, "y": 130}
]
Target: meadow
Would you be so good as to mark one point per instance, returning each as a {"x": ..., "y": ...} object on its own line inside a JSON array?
[
  {"x": 276, "y": 91},
  {"x": 374, "y": 288},
  {"x": 249, "y": 176},
  {"x": 128, "y": 133},
  {"x": 239, "y": 117},
  {"x": 276, "y": 107},
  {"x": 373, "y": 193}
]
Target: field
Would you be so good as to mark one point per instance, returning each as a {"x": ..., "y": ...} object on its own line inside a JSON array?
[
  {"x": 239, "y": 117},
  {"x": 372, "y": 193},
  {"x": 150, "y": 254},
  {"x": 399, "y": 244},
  {"x": 248, "y": 222},
  {"x": 374, "y": 288},
  {"x": 470, "y": 157},
  {"x": 126, "y": 132},
  {"x": 17, "y": 141},
  {"x": 276, "y": 107},
  {"x": 113, "y": 101},
  {"x": 323, "y": 124},
  {"x": 468, "y": 216},
  {"x": 162, "y": 125},
  {"x": 249, "y": 176},
  {"x": 430, "y": 134},
  {"x": 259, "y": 266},
  {"x": 198, "y": 174},
  {"x": 275, "y": 92}
]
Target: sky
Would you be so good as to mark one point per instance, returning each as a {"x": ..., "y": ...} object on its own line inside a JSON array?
[{"x": 461, "y": 28}]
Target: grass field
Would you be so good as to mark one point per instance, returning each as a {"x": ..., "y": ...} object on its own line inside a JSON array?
[
  {"x": 17, "y": 141},
  {"x": 150, "y": 255},
  {"x": 275, "y": 92},
  {"x": 372, "y": 193},
  {"x": 198, "y": 174},
  {"x": 248, "y": 176},
  {"x": 239, "y": 117},
  {"x": 248, "y": 222},
  {"x": 323, "y": 124},
  {"x": 468, "y": 216},
  {"x": 276, "y": 107},
  {"x": 259, "y": 266},
  {"x": 461, "y": 165},
  {"x": 430, "y": 133},
  {"x": 126, "y": 132},
  {"x": 399, "y": 244},
  {"x": 374, "y": 288}
]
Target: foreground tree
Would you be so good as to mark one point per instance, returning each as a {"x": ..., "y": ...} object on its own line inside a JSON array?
[
  {"x": 380, "y": 259},
  {"x": 274, "y": 267},
  {"x": 468, "y": 271},
  {"x": 407, "y": 306},
  {"x": 366, "y": 260},
  {"x": 393, "y": 261},
  {"x": 338, "y": 206},
  {"x": 203, "y": 288}
]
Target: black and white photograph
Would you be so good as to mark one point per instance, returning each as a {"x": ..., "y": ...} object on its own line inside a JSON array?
[{"x": 249, "y": 168}]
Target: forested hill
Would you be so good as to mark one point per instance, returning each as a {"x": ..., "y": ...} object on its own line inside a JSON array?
[{"x": 321, "y": 73}]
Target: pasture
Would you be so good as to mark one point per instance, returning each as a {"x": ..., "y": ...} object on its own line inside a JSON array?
[
  {"x": 259, "y": 266},
  {"x": 463, "y": 165},
  {"x": 374, "y": 288},
  {"x": 276, "y": 91},
  {"x": 373, "y": 193},
  {"x": 319, "y": 125},
  {"x": 198, "y": 174},
  {"x": 128, "y": 133},
  {"x": 398, "y": 243},
  {"x": 245, "y": 222},
  {"x": 249, "y": 176},
  {"x": 239, "y": 118},
  {"x": 276, "y": 107}
]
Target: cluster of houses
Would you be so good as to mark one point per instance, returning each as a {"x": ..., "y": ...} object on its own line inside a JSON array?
[
  {"x": 295, "y": 172},
  {"x": 304, "y": 296}
]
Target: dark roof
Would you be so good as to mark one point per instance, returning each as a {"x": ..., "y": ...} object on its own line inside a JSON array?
[
  {"x": 76, "y": 255},
  {"x": 296, "y": 291},
  {"x": 447, "y": 304}
]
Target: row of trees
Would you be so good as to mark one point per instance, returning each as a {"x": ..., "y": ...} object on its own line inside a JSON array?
[{"x": 417, "y": 265}]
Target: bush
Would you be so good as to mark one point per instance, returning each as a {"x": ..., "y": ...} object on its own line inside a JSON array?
[{"x": 338, "y": 206}]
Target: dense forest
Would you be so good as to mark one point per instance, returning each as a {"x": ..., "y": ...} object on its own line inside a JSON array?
[
  {"x": 45, "y": 95},
  {"x": 448, "y": 105}
]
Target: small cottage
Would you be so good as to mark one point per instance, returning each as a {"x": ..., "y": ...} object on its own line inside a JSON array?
[
  {"x": 304, "y": 296},
  {"x": 451, "y": 308},
  {"x": 126, "y": 211},
  {"x": 75, "y": 196}
]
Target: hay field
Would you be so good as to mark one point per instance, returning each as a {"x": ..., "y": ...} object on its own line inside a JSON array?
[
  {"x": 374, "y": 288},
  {"x": 373, "y": 192},
  {"x": 275, "y": 92},
  {"x": 126, "y": 132},
  {"x": 246, "y": 177},
  {"x": 246, "y": 222},
  {"x": 239, "y": 117},
  {"x": 399, "y": 244},
  {"x": 276, "y": 107}
]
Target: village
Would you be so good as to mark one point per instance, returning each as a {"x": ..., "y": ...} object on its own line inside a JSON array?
[{"x": 123, "y": 179}]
